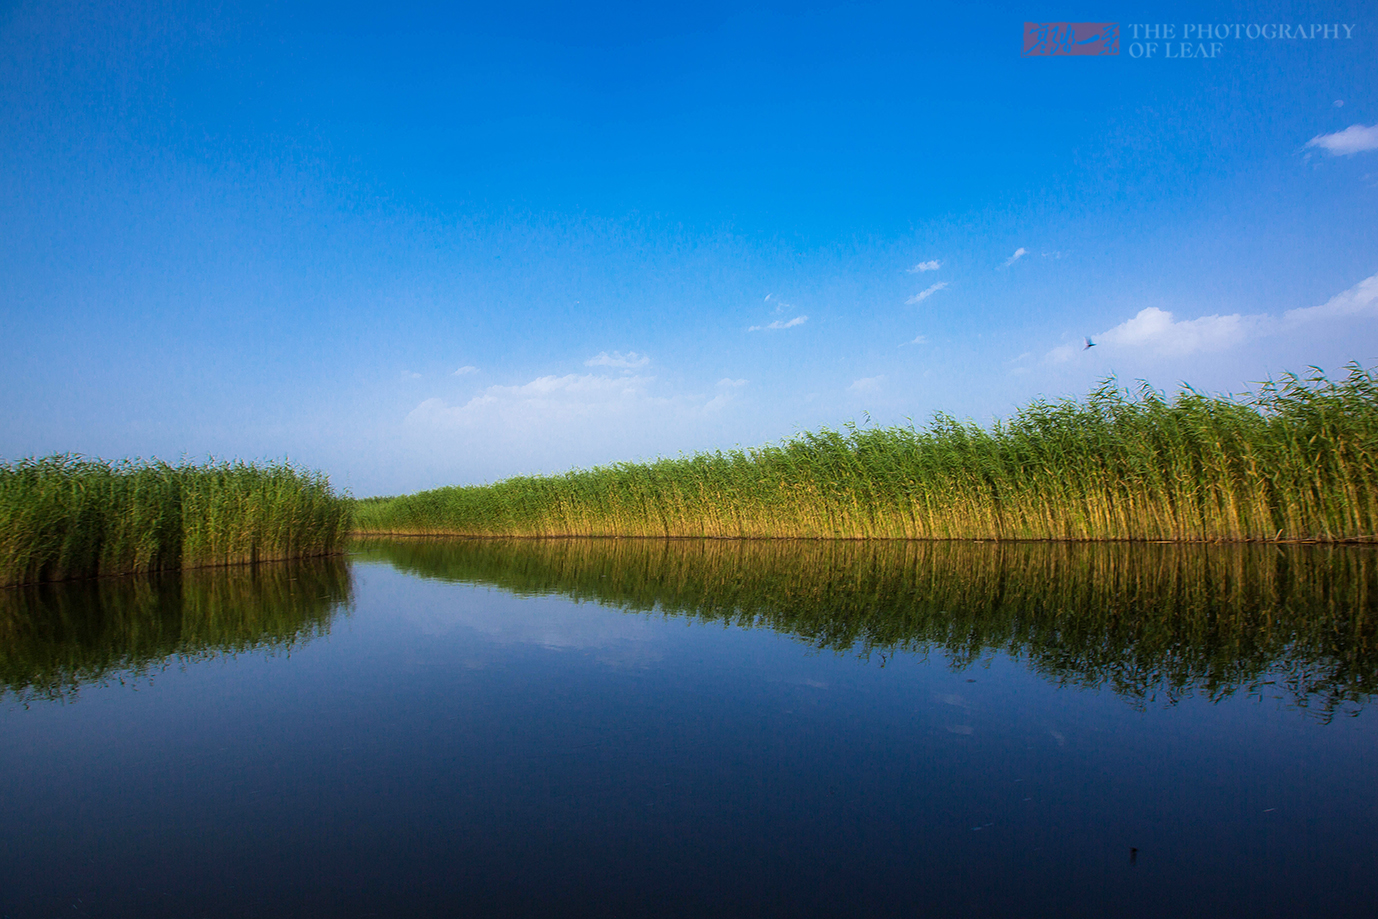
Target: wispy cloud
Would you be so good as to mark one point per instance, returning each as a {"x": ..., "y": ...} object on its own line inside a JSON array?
[
  {"x": 573, "y": 407},
  {"x": 566, "y": 397},
  {"x": 780, "y": 324},
  {"x": 926, "y": 293},
  {"x": 918, "y": 340},
  {"x": 1018, "y": 254},
  {"x": 866, "y": 384},
  {"x": 1356, "y": 138},
  {"x": 629, "y": 361},
  {"x": 410, "y": 375},
  {"x": 582, "y": 385},
  {"x": 726, "y": 394},
  {"x": 933, "y": 265},
  {"x": 466, "y": 370}
]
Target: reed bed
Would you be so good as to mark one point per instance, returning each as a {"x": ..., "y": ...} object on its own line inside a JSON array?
[
  {"x": 1293, "y": 461},
  {"x": 68, "y": 517},
  {"x": 1150, "y": 622}
]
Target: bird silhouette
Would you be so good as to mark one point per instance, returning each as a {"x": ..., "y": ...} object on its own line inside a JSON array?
[{"x": 1089, "y": 344}]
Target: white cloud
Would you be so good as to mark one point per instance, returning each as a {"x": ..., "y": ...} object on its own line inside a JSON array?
[
  {"x": 1018, "y": 254},
  {"x": 1059, "y": 355},
  {"x": 933, "y": 265},
  {"x": 926, "y": 293},
  {"x": 1154, "y": 330},
  {"x": 408, "y": 375},
  {"x": 466, "y": 370},
  {"x": 628, "y": 361},
  {"x": 1356, "y": 138},
  {"x": 1359, "y": 300},
  {"x": 866, "y": 384},
  {"x": 777, "y": 324},
  {"x": 918, "y": 340},
  {"x": 569, "y": 397},
  {"x": 727, "y": 393},
  {"x": 1157, "y": 331},
  {"x": 575, "y": 406},
  {"x": 583, "y": 386}
]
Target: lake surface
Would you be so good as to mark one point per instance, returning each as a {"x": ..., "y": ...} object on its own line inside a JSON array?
[{"x": 684, "y": 728}]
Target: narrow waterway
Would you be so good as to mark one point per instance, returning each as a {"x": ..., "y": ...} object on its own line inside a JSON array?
[{"x": 646, "y": 727}]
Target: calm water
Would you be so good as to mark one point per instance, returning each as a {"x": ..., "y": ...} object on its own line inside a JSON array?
[{"x": 699, "y": 729}]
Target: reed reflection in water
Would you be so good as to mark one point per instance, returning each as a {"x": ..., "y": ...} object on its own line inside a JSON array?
[
  {"x": 55, "y": 638},
  {"x": 1153, "y": 623}
]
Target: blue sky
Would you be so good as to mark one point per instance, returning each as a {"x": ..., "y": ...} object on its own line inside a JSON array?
[{"x": 445, "y": 244}]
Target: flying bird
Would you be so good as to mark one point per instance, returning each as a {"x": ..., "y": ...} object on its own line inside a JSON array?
[{"x": 1089, "y": 344}]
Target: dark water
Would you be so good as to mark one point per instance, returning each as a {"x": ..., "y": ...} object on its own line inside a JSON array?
[{"x": 699, "y": 729}]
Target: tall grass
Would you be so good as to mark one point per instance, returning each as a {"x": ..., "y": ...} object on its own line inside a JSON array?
[
  {"x": 66, "y": 517},
  {"x": 1151, "y": 622},
  {"x": 1293, "y": 461}
]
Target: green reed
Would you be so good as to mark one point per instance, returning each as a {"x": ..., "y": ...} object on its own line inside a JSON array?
[
  {"x": 1293, "y": 461},
  {"x": 57, "y": 637},
  {"x": 67, "y": 517},
  {"x": 1150, "y": 622}
]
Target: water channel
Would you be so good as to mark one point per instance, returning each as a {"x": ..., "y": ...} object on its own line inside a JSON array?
[{"x": 698, "y": 728}]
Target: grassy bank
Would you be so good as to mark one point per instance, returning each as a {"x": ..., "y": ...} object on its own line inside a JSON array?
[
  {"x": 66, "y": 517},
  {"x": 1293, "y": 461},
  {"x": 1149, "y": 622}
]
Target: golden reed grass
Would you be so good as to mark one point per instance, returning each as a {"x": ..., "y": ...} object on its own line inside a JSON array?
[{"x": 1293, "y": 461}]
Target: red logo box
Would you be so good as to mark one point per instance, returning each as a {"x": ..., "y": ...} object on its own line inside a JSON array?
[{"x": 1045, "y": 39}]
